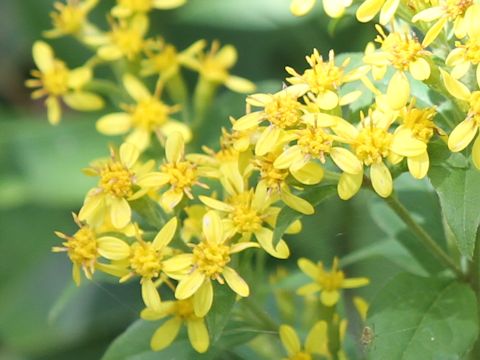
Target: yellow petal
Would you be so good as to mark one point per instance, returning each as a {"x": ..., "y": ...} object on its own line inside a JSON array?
[
  {"x": 349, "y": 184},
  {"x": 172, "y": 126},
  {"x": 150, "y": 295},
  {"x": 114, "y": 124},
  {"x": 135, "y": 88},
  {"x": 308, "y": 267},
  {"x": 166, "y": 308},
  {"x": 301, "y": 7},
  {"x": 165, "y": 235},
  {"x": 239, "y": 84},
  {"x": 405, "y": 144},
  {"x": 429, "y": 14},
  {"x": 167, "y": 4},
  {"x": 235, "y": 282},
  {"x": 79, "y": 77},
  {"x": 471, "y": 18},
  {"x": 83, "y": 101},
  {"x": 112, "y": 248},
  {"x": 215, "y": 204},
  {"x": 369, "y": 9},
  {"x": 462, "y": 135},
  {"x": 327, "y": 100},
  {"x": 350, "y": 97},
  {"x": 178, "y": 263},
  {"x": 476, "y": 153},
  {"x": 236, "y": 248},
  {"x": 227, "y": 56},
  {"x": 91, "y": 206},
  {"x": 329, "y": 297},
  {"x": 265, "y": 239},
  {"x": 165, "y": 334},
  {"x": 355, "y": 283},
  {"x": 171, "y": 198},
  {"x": 381, "y": 179},
  {"x": 198, "y": 335},
  {"x": 296, "y": 203},
  {"x": 129, "y": 154},
  {"x": 120, "y": 212},
  {"x": 317, "y": 339},
  {"x": 139, "y": 137},
  {"x": 54, "y": 110},
  {"x": 288, "y": 157},
  {"x": 434, "y": 31},
  {"x": 174, "y": 147},
  {"x": 398, "y": 91},
  {"x": 308, "y": 289},
  {"x": 290, "y": 340},
  {"x": 455, "y": 87},
  {"x": 388, "y": 10},
  {"x": 189, "y": 285},
  {"x": 346, "y": 161},
  {"x": 362, "y": 307},
  {"x": 249, "y": 121},
  {"x": 109, "y": 52},
  {"x": 203, "y": 299},
  {"x": 153, "y": 179},
  {"x": 420, "y": 69},
  {"x": 310, "y": 174},
  {"x": 268, "y": 140},
  {"x": 418, "y": 165},
  {"x": 212, "y": 227},
  {"x": 333, "y": 8},
  {"x": 43, "y": 56}
]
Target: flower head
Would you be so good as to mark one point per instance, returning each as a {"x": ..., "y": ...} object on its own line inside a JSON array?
[
  {"x": 148, "y": 115},
  {"x": 126, "y": 8},
  {"x": 316, "y": 342},
  {"x": 56, "y": 81},
  {"x": 370, "y": 8},
  {"x": 328, "y": 283},
  {"x": 179, "y": 312},
  {"x": 70, "y": 18}
]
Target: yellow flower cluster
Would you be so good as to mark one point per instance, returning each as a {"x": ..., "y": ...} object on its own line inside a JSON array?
[{"x": 218, "y": 203}]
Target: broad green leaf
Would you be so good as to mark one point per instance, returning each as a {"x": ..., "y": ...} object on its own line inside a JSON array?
[
  {"x": 314, "y": 195},
  {"x": 458, "y": 190},
  {"x": 422, "y": 318},
  {"x": 217, "y": 318}
]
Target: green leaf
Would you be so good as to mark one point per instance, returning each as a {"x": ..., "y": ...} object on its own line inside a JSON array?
[
  {"x": 415, "y": 317},
  {"x": 457, "y": 189},
  {"x": 218, "y": 316},
  {"x": 287, "y": 216}
]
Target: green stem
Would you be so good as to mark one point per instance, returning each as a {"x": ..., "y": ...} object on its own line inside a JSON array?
[
  {"x": 178, "y": 91},
  {"x": 202, "y": 100},
  {"x": 261, "y": 316},
  {"x": 420, "y": 232}
]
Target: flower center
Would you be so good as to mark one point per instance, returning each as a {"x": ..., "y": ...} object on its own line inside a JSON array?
[
  {"x": 150, "y": 113},
  {"x": 244, "y": 217},
  {"x": 129, "y": 41},
  {"x": 372, "y": 144},
  {"x": 166, "y": 59},
  {"x": 136, "y": 5},
  {"x": 472, "y": 51},
  {"x": 55, "y": 81},
  {"x": 330, "y": 280},
  {"x": 145, "y": 260},
  {"x": 116, "y": 180},
  {"x": 323, "y": 76},
  {"x": 69, "y": 18},
  {"x": 403, "y": 49},
  {"x": 474, "y": 111},
  {"x": 456, "y": 8},
  {"x": 210, "y": 258},
  {"x": 82, "y": 247},
  {"x": 315, "y": 142},
  {"x": 273, "y": 177},
  {"x": 420, "y": 122},
  {"x": 184, "y": 309},
  {"x": 283, "y": 111},
  {"x": 183, "y": 174}
]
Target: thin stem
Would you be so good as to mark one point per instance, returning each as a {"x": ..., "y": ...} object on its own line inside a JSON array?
[
  {"x": 420, "y": 232},
  {"x": 260, "y": 315}
]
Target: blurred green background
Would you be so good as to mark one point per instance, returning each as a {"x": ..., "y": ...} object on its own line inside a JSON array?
[{"x": 42, "y": 315}]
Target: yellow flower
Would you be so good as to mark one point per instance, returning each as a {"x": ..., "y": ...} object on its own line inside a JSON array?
[
  {"x": 180, "y": 312},
  {"x": 177, "y": 171},
  {"x": 316, "y": 342},
  {"x": 249, "y": 210},
  {"x": 214, "y": 67},
  {"x": 328, "y": 283},
  {"x": 324, "y": 79},
  {"x": 467, "y": 54},
  {"x": 282, "y": 111},
  {"x": 333, "y": 8},
  {"x": 464, "y": 133},
  {"x": 209, "y": 261},
  {"x": 192, "y": 224},
  {"x": 86, "y": 246},
  {"x": 372, "y": 144},
  {"x": 56, "y": 81},
  {"x": 70, "y": 18},
  {"x": 164, "y": 59},
  {"x": 404, "y": 53},
  {"x": 447, "y": 11},
  {"x": 146, "y": 259},
  {"x": 117, "y": 185},
  {"x": 126, "y": 8},
  {"x": 370, "y": 8},
  {"x": 124, "y": 40},
  {"x": 148, "y": 116}
]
